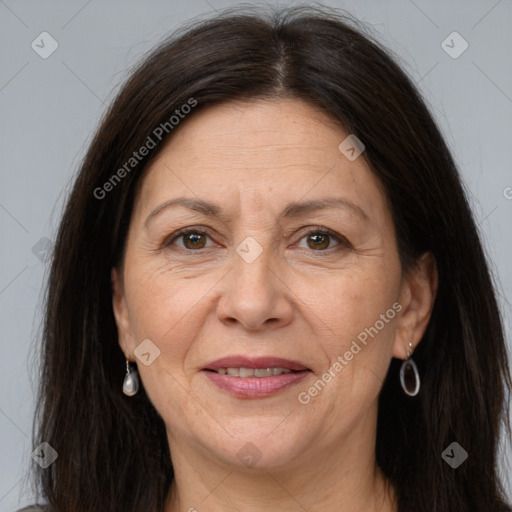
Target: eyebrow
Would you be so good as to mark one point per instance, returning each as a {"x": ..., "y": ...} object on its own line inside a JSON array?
[{"x": 291, "y": 210}]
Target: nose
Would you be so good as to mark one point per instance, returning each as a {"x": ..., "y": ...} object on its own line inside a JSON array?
[{"x": 255, "y": 295}]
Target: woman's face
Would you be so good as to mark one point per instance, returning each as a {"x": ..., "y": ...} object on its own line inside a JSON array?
[{"x": 296, "y": 259}]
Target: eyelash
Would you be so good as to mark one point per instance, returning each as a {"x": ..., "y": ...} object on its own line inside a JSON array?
[{"x": 317, "y": 230}]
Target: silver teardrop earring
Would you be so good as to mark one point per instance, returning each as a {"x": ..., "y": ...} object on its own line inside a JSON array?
[
  {"x": 408, "y": 370},
  {"x": 131, "y": 380}
]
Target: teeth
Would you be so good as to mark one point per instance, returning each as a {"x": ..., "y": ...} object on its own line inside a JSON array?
[
  {"x": 250, "y": 372},
  {"x": 267, "y": 372},
  {"x": 246, "y": 372}
]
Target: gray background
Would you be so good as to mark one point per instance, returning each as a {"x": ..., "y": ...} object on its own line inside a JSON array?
[{"x": 50, "y": 107}]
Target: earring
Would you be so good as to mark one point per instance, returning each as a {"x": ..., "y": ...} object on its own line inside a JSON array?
[
  {"x": 131, "y": 380},
  {"x": 409, "y": 376}
]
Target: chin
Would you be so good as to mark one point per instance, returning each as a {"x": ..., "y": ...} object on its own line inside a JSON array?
[{"x": 260, "y": 444}]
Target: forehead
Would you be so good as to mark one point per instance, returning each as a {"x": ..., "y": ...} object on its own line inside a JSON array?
[
  {"x": 281, "y": 149},
  {"x": 266, "y": 129}
]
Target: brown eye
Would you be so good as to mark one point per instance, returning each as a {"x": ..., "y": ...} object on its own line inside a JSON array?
[
  {"x": 318, "y": 240},
  {"x": 188, "y": 239},
  {"x": 194, "y": 239}
]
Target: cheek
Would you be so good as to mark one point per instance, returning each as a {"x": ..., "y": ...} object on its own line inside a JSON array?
[
  {"x": 164, "y": 311},
  {"x": 350, "y": 304},
  {"x": 356, "y": 318},
  {"x": 160, "y": 301}
]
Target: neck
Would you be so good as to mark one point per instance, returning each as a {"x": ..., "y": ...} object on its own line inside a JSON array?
[{"x": 342, "y": 477}]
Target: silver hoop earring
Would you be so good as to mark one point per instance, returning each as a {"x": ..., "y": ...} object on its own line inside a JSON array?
[
  {"x": 131, "y": 380},
  {"x": 409, "y": 373}
]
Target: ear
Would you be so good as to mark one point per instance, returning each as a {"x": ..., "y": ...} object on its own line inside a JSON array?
[
  {"x": 121, "y": 315},
  {"x": 417, "y": 296}
]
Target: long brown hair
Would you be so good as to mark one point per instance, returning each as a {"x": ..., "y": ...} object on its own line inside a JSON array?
[{"x": 113, "y": 451}]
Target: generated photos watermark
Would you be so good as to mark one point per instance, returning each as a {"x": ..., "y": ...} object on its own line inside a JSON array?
[
  {"x": 343, "y": 360},
  {"x": 158, "y": 133}
]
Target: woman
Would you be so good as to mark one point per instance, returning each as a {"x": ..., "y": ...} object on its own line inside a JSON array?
[{"x": 268, "y": 290}]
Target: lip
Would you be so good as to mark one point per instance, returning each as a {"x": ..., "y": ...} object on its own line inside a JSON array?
[
  {"x": 255, "y": 387},
  {"x": 254, "y": 363}
]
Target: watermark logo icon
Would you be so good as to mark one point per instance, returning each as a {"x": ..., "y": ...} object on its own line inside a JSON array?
[
  {"x": 249, "y": 454},
  {"x": 42, "y": 250},
  {"x": 146, "y": 352},
  {"x": 454, "y": 455},
  {"x": 45, "y": 455},
  {"x": 351, "y": 147},
  {"x": 44, "y": 45},
  {"x": 249, "y": 249},
  {"x": 454, "y": 45}
]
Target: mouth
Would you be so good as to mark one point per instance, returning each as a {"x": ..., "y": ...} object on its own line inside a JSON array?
[
  {"x": 255, "y": 363},
  {"x": 261, "y": 377},
  {"x": 252, "y": 372}
]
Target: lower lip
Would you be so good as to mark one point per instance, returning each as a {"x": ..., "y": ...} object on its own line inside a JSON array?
[{"x": 255, "y": 387}]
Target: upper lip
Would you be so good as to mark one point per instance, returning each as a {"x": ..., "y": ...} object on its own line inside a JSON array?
[{"x": 254, "y": 363}]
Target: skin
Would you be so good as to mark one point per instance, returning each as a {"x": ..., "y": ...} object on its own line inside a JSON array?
[{"x": 198, "y": 300}]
